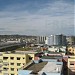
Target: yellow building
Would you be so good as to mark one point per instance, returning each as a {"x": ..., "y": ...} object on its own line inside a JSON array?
[
  {"x": 71, "y": 65},
  {"x": 71, "y": 49},
  {"x": 11, "y": 62}
]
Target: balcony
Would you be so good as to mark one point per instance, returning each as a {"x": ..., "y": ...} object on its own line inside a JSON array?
[
  {"x": 5, "y": 63},
  {"x": 5, "y": 58},
  {"x": 5, "y": 69},
  {"x": 1, "y": 54},
  {"x": 0, "y": 71},
  {"x": 5, "y": 74},
  {"x": 1, "y": 66},
  {"x": 1, "y": 61}
]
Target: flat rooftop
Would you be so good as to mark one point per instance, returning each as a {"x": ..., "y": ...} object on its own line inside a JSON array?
[
  {"x": 51, "y": 57},
  {"x": 51, "y": 67},
  {"x": 18, "y": 52},
  {"x": 36, "y": 67},
  {"x": 44, "y": 66},
  {"x": 25, "y": 52}
]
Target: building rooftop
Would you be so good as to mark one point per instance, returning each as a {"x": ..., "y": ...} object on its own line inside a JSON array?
[
  {"x": 36, "y": 67},
  {"x": 46, "y": 67},
  {"x": 51, "y": 67},
  {"x": 51, "y": 57},
  {"x": 18, "y": 52},
  {"x": 25, "y": 52}
]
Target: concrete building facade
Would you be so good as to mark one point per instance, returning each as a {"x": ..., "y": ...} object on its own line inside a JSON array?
[
  {"x": 71, "y": 49},
  {"x": 10, "y": 63},
  {"x": 41, "y": 39},
  {"x": 71, "y": 65}
]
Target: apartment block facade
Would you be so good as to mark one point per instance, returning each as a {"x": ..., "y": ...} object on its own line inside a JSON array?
[
  {"x": 71, "y": 65},
  {"x": 10, "y": 63},
  {"x": 71, "y": 49}
]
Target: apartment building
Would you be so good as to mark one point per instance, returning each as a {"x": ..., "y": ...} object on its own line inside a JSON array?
[
  {"x": 10, "y": 63},
  {"x": 41, "y": 39},
  {"x": 57, "y": 40},
  {"x": 71, "y": 65},
  {"x": 71, "y": 49}
]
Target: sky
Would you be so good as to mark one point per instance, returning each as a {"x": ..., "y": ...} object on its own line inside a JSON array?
[{"x": 37, "y": 17}]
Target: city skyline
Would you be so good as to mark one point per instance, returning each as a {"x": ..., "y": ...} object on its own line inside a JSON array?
[{"x": 37, "y": 17}]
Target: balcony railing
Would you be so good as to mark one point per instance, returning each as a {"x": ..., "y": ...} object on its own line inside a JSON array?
[
  {"x": 0, "y": 71},
  {"x": 5, "y": 63},
  {"x": 1, "y": 54},
  {"x": 1, "y": 65},
  {"x": 1, "y": 61},
  {"x": 5, "y": 74},
  {"x": 6, "y": 69}
]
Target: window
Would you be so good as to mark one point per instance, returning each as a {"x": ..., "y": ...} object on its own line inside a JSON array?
[
  {"x": 18, "y": 58},
  {"x": 17, "y": 69},
  {"x": 12, "y": 58},
  {"x": 5, "y": 58},
  {"x": 23, "y": 63},
  {"x": 30, "y": 58},
  {"x": 71, "y": 63},
  {"x": 12, "y": 69},
  {"x": 18, "y": 64},
  {"x": 5, "y": 69},
  {"x": 23, "y": 58},
  {"x": 12, "y": 74},
  {"x": 12, "y": 63}
]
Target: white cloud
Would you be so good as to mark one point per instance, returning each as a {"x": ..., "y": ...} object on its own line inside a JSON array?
[{"x": 54, "y": 18}]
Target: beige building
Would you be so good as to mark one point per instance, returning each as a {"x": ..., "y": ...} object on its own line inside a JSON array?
[
  {"x": 71, "y": 49},
  {"x": 11, "y": 62},
  {"x": 71, "y": 65}
]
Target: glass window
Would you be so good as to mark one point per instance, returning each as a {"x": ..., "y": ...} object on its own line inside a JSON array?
[
  {"x": 5, "y": 58},
  {"x": 30, "y": 58},
  {"x": 12, "y": 63},
  {"x": 12, "y": 74},
  {"x": 72, "y": 63},
  {"x": 23, "y": 63},
  {"x": 12, "y": 58},
  {"x": 18, "y": 58},
  {"x": 18, "y": 64},
  {"x": 12, "y": 69}
]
